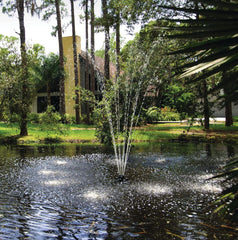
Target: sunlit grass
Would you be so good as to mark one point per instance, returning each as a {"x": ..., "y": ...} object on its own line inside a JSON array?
[
  {"x": 38, "y": 133},
  {"x": 86, "y": 133},
  {"x": 149, "y": 135}
]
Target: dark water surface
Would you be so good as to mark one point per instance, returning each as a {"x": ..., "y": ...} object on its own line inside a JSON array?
[{"x": 71, "y": 192}]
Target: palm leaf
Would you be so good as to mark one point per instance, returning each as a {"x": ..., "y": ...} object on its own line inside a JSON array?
[{"x": 217, "y": 32}]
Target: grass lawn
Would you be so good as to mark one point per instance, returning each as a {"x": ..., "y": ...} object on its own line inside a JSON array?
[
  {"x": 86, "y": 133},
  {"x": 39, "y": 133}
]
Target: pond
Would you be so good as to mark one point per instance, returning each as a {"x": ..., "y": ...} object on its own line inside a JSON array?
[{"x": 72, "y": 192}]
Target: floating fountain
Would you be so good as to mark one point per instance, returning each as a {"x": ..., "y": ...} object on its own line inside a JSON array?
[{"x": 123, "y": 100}]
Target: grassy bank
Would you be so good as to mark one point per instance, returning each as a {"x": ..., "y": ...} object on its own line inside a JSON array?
[
  {"x": 47, "y": 134},
  {"x": 152, "y": 132}
]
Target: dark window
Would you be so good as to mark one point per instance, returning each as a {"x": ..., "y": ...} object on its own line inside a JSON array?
[
  {"x": 55, "y": 102},
  {"x": 41, "y": 104}
]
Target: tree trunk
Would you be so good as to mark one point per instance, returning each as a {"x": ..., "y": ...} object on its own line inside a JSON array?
[
  {"x": 228, "y": 102},
  {"x": 118, "y": 44},
  {"x": 61, "y": 59},
  {"x": 228, "y": 109},
  {"x": 48, "y": 94},
  {"x": 87, "y": 63},
  {"x": 228, "y": 113},
  {"x": 75, "y": 63},
  {"x": 206, "y": 106},
  {"x": 107, "y": 40},
  {"x": 86, "y": 33},
  {"x": 92, "y": 47},
  {"x": 24, "y": 74}
]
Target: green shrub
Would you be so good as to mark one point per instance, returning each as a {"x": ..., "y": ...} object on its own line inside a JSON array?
[
  {"x": 103, "y": 133},
  {"x": 49, "y": 117},
  {"x": 169, "y": 114},
  {"x": 69, "y": 119},
  {"x": 51, "y": 121},
  {"x": 153, "y": 114},
  {"x": 164, "y": 114},
  {"x": 33, "y": 117}
]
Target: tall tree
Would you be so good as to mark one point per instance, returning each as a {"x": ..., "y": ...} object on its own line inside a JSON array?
[
  {"x": 19, "y": 6},
  {"x": 24, "y": 75},
  {"x": 107, "y": 39},
  {"x": 92, "y": 46},
  {"x": 86, "y": 34},
  {"x": 118, "y": 45},
  {"x": 75, "y": 63},
  {"x": 61, "y": 57}
]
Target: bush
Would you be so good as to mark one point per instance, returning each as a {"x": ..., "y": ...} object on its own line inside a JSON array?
[
  {"x": 49, "y": 117},
  {"x": 103, "y": 133},
  {"x": 51, "y": 121},
  {"x": 153, "y": 114},
  {"x": 33, "y": 117},
  {"x": 169, "y": 114},
  {"x": 68, "y": 119},
  {"x": 164, "y": 114}
]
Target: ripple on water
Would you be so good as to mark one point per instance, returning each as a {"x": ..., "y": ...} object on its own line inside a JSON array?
[
  {"x": 94, "y": 194},
  {"x": 154, "y": 188},
  {"x": 65, "y": 197}
]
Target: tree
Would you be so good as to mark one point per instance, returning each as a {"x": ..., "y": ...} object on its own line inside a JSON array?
[
  {"x": 107, "y": 39},
  {"x": 48, "y": 73},
  {"x": 166, "y": 88},
  {"x": 75, "y": 62},
  {"x": 11, "y": 71},
  {"x": 216, "y": 48},
  {"x": 92, "y": 46},
  {"x": 19, "y": 6},
  {"x": 61, "y": 57},
  {"x": 86, "y": 34}
]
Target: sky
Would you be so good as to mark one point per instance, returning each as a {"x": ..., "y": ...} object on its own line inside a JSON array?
[{"x": 39, "y": 31}]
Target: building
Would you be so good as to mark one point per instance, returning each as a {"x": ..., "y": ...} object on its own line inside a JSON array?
[{"x": 40, "y": 102}]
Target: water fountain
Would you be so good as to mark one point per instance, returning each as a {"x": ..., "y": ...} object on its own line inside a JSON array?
[{"x": 123, "y": 102}]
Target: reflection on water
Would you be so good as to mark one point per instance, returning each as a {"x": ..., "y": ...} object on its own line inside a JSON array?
[{"x": 70, "y": 192}]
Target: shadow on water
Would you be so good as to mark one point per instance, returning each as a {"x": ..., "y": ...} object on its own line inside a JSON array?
[{"x": 71, "y": 192}]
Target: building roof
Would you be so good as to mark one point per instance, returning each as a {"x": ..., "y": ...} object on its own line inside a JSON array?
[{"x": 99, "y": 64}]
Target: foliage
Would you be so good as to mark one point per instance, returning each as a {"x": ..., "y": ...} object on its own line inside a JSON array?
[
  {"x": 166, "y": 89},
  {"x": 86, "y": 96},
  {"x": 50, "y": 117},
  {"x": 9, "y": 68},
  {"x": 10, "y": 81},
  {"x": 169, "y": 114},
  {"x": 228, "y": 200},
  {"x": 153, "y": 114},
  {"x": 69, "y": 119},
  {"x": 215, "y": 48},
  {"x": 164, "y": 114},
  {"x": 48, "y": 73},
  {"x": 87, "y": 99},
  {"x": 180, "y": 98},
  {"x": 103, "y": 133},
  {"x": 33, "y": 117},
  {"x": 112, "y": 52},
  {"x": 214, "y": 27},
  {"x": 51, "y": 121}
]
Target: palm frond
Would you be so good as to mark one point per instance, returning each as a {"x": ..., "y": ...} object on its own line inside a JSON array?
[
  {"x": 211, "y": 30},
  {"x": 228, "y": 199}
]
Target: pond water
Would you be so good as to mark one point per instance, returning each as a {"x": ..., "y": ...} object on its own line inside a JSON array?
[{"x": 71, "y": 192}]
